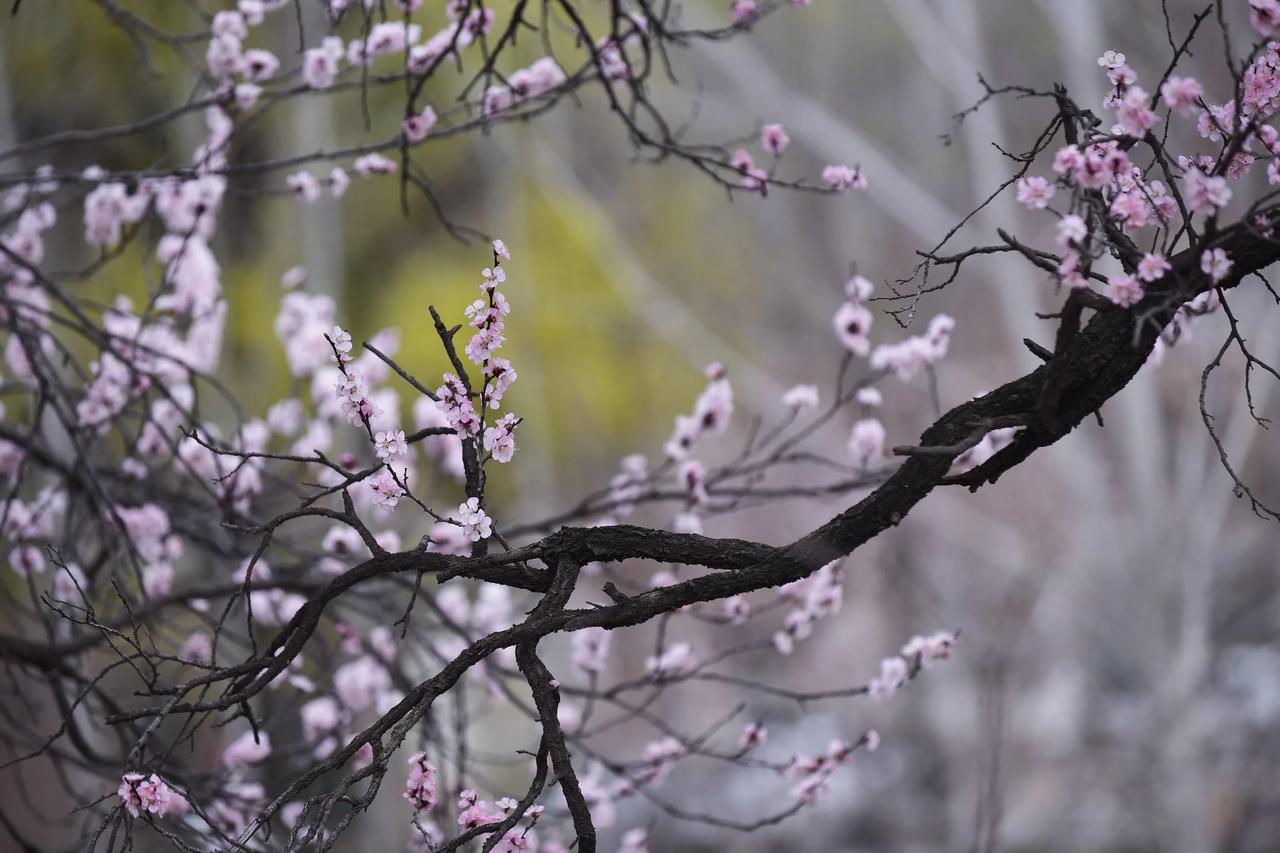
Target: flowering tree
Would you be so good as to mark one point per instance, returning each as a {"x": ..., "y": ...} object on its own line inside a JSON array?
[{"x": 177, "y": 565}]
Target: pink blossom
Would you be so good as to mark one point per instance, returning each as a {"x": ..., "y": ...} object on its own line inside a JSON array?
[
  {"x": 1121, "y": 77},
  {"x": 499, "y": 439},
  {"x": 385, "y": 490},
  {"x": 930, "y": 649},
  {"x": 496, "y": 99},
  {"x": 304, "y": 185},
  {"x": 843, "y": 179},
  {"x": 852, "y": 323},
  {"x": 677, "y": 659},
  {"x": 893, "y": 674},
  {"x": 157, "y": 579},
  {"x": 454, "y": 401},
  {"x": 139, "y": 793},
  {"x": 1068, "y": 160},
  {"x": 224, "y": 55},
  {"x": 320, "y": 64},
  {"x": 107, "y": 210},
  {"x": 247, "y": 95},
  {"x": 374, "y": 164},
  {"x": 197, "y": 647},
  {"x": 249, "y": 748},
  {"x": 744, "y": 10},
  {"x": 801, "y": 397},
  {"x": 694, "y": 478},
  {"x": 544, "y": 75},
  {"x": 858, "y": 288},
  {"x": 1216, "y": 121},
  {"x": 1153, "y": 267},
  {"x": 909, "y": 357},
  {"x": 1216, "y": 264},
  {"x": 1181, "y": 93},
  {"x": 774, "y": 139},
  {"x": 421, "y": 789},
  {"x": 1035, "y": 192},
  {"x": 1205, "y": 194},
  {"x": 1124, "y": 290},
  {"x": 1072, "y": 231},
  {"x": 360, "y": 683},
  {"x": 866, "y": 442},
  {"x": 1132, "y": 209},
  {"x": 338, "y": 182},
  {"x": 869, "y": 397},
  {"x": 477, "y": 814},
  {"x": 259, "y": 65},
  {"x": 26, "y": 561},
  {"x": 230, "y": 23},
  {"x": 737, "y": 609},
  {"x": 417, "y": 127},
  {"x": 753, "y": 735},
  {"x": 1264, "y": 16},
  {"x": 810, "y": 788},
  {"x": 636, "y": 840},
  {"x": 1135, "y": 117},
  {"x": 476, "y": 525},
  {"x": 1112, "y": 59}
]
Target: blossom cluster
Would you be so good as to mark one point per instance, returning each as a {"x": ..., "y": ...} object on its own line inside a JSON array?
[
  {"x": 141, "y": 793},
  {"x": 814, "y": 772},
  {"x": 421, "y": 789},
  {"x": 676, "y": 660},
  {"x": 922, "y": 651},
  {"x": 816, "y": 597},
  {"x": 1134, "y": 200},
  {"x": 473, "y": 812},
  {"x": 711, "y": 413},
  {"x": 488, "y": 317}
]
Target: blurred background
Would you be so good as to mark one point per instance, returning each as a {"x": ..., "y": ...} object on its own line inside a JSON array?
[{"x": 1117, "y": 687}]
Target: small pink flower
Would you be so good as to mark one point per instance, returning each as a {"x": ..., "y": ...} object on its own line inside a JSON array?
[
  {"x": 866, "y": 442},
  {"x": 1124, "y": 290},
  {"x": 1068, "y": 160},
  {"x": 417, "y": 127},
  {"x": 1264, "y": 16},
  {"x": 753, "y": 735},
  {"x": 476, "y": 525},
  {"x": 1111, "y": 59},
  {"x": 853, "y": 326},
  {"x": 1206, "y": 194},
  {"x": 1152, "y": 267},
  {"x": 774, "y": 139},
  {"x": 374, "y": 164},
  {"x": 744, "y": 10},
  {"x": 149, "y": 794},
  {"x": 1071, "y": 231},
  {"x": 1181, "y": 93},
  {"x": 390, "y": 445},
  {"x": 1035, "y": 192},
  {"x": 1216, "y": 264},
  {"x": 843, "y": 179},
  {"x": 801, "y": 398}
]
